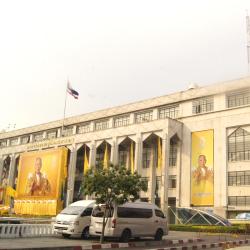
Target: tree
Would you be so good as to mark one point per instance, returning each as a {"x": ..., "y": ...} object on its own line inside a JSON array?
[{"x": 111, "y": 186}]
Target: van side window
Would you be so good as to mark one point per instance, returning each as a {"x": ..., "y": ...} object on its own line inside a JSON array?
[
  {"x": 128, "y": 212},
  {"x": 98, "y": 212},
  {"x": 87, "y": 211},
  {"x": 159, "y": 213}
]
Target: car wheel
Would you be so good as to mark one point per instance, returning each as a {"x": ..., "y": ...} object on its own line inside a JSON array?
[
  {"x": 158, "y": 234},
  {"x": 85, "y": 233},
  {"x": 126, "y": 235},
  {"x": 66, "y": 236}
]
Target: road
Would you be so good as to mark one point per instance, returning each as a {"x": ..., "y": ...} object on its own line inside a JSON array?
[{"x": 57, "y": 241}]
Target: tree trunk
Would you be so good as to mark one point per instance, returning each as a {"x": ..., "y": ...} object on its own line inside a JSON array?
[{"x": 103, "y": 226}]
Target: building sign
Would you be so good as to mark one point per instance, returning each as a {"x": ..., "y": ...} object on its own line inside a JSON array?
[
  {"x": 202, "y": 175},
  {"x": 51, "y": 142}
]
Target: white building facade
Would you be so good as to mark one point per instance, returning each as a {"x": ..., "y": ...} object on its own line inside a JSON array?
[{"x": 134, "y": 134}]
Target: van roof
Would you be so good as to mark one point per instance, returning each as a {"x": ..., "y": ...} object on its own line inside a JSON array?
[{"x": 83, "y": 203}]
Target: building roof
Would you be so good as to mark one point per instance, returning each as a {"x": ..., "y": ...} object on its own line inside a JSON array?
[{"x": 191, "y": 93}]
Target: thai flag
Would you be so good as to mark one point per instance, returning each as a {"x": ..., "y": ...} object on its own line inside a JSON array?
[{"x": 71, "y": 91}]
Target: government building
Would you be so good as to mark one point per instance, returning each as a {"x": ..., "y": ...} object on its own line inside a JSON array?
[{"x": 192, "y": 147}]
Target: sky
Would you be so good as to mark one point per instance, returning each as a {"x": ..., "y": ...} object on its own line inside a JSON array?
[{"x": 113, "y": 52}]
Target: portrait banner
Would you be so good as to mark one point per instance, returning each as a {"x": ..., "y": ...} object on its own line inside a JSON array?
[
  {"x": 202, "y": 172},
  {"x": 41, "y": 174}
]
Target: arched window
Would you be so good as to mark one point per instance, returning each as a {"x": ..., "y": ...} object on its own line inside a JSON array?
[{"x": 239, "y": 145}]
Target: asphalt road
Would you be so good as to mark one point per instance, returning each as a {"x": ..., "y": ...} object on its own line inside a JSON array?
[{"x": 57, "y": 241}]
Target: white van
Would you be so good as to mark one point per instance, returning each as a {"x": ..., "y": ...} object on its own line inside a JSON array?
[
  {"x": 75, "y": 219},
  {"x": 131, "y": 220}
]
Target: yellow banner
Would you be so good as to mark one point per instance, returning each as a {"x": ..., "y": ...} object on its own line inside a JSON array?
[
  {"x": 202, "y": 178},
  {"x": 41, "y": 174}
]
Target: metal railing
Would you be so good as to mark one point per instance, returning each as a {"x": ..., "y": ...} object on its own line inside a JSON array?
[{"x": 25, "y": 230}]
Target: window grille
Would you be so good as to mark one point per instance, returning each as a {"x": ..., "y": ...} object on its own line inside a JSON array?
[
  {"x": 239, "y": 145},
  {"x": 144, "y": 117},
  {"x": 169, "y": 111},
  {"x": 101, "y": 125},
  {"x": 238, "y": 99},
  {"x": 83, "y": 128},
  {"x": 203, "y": 105},
  {"x": 121, "y": 121}
]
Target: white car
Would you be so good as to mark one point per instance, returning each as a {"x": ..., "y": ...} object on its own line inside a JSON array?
[
  {"x": 75, "y": 219},
  {"x": 131, "y": 220}
]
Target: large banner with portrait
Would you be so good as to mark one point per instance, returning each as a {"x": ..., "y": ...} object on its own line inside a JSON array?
[
  {"x": 202, "y": 176},
  {"x": 40, "y": 174},
  {"x": 41, "y": 181}
]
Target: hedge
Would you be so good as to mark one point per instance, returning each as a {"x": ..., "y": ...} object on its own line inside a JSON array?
[{"x": 240, "y": 228}]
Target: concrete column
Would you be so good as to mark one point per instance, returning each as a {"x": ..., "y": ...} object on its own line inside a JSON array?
[
  {"x": 114, "y": 152},
  {"x": 138, "y": 153},
  {"x": 178, "y": 177},
  {"x": 1, "y": 168},
  {"x": 165, "y": 166},
  {"x": 112, "y": 144},
  {"x": 92, "y": 155},
  {"x": 71, "y": 175},
  {"x": 59, "y": 132},
  {"x": 74, "y": 129},
  {"x": 12, "y": 170},
  {"x": 153, "y": 175}
]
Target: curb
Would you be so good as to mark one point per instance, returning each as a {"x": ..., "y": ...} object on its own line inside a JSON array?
[
  {"x": 225, "y": 245},
  {"x": 137, "y": 244}
]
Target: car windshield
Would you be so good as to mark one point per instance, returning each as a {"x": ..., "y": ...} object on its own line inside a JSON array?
[{"x": 73, "y": 210}]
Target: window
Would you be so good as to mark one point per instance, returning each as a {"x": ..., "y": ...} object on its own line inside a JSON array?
[
  {"x": 129, "y": 212},
  {"x": 68, "y": 131},
  {"x": 52, "y": 134},
  {"x": 239, "y": 201},
  {"x": 169, "y": 111},
  {"x": 146, "y": 179},
  {"x": 159, "y": 213},
  {"x": 158, "y": 182},
  {"x": 83, "y": 128},
  {"x": 173, "y": 154},
  {"x": 87, "y": 211},
  {"x": 172, "y": 181},
  {"x": 238, "y": 99},
  {"x": 3, "y": 143},
  {"x": 38, "y": 137},
  {"x": 121, "y": 121},
  {"x": 123, "y": 157},
  {"x": 239, "y": 145},
  {"x": 101, "y": 125},
  {"x": 144, "y": 117},
  {"x": 203, "y": 105},
  {"x": 239, "y": 178},
  {"x": 98, "y": 211},
  {"x": 14, "y": 141},
  {"x": 146, "y": 157},
  {"x": 25, "y": 139}
]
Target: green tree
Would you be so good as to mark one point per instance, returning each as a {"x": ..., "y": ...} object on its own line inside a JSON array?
[{"x": 114, "y": 185}]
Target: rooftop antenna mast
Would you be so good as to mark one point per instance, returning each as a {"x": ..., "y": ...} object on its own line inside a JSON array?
[{"x": 248, "y": 42}]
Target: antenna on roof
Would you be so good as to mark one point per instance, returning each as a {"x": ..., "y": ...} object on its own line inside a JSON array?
[{"x": 192, "y": 86}]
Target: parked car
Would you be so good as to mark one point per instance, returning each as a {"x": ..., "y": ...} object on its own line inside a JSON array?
[
  {"x": 74, "y": 219},
  {"x": 131, "y": 220},
  {"x": 243, "y": 216}
]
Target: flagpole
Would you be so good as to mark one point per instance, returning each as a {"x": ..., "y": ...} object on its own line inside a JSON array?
[
  {"x": 248, "y": 41},
  {"x": 65, "y": 102}
]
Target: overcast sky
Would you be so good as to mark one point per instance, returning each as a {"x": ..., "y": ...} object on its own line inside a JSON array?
[{"x": 113, "y": 52}]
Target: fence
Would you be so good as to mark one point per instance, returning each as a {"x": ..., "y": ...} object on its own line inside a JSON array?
[{"x": 25, "y": 230}]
